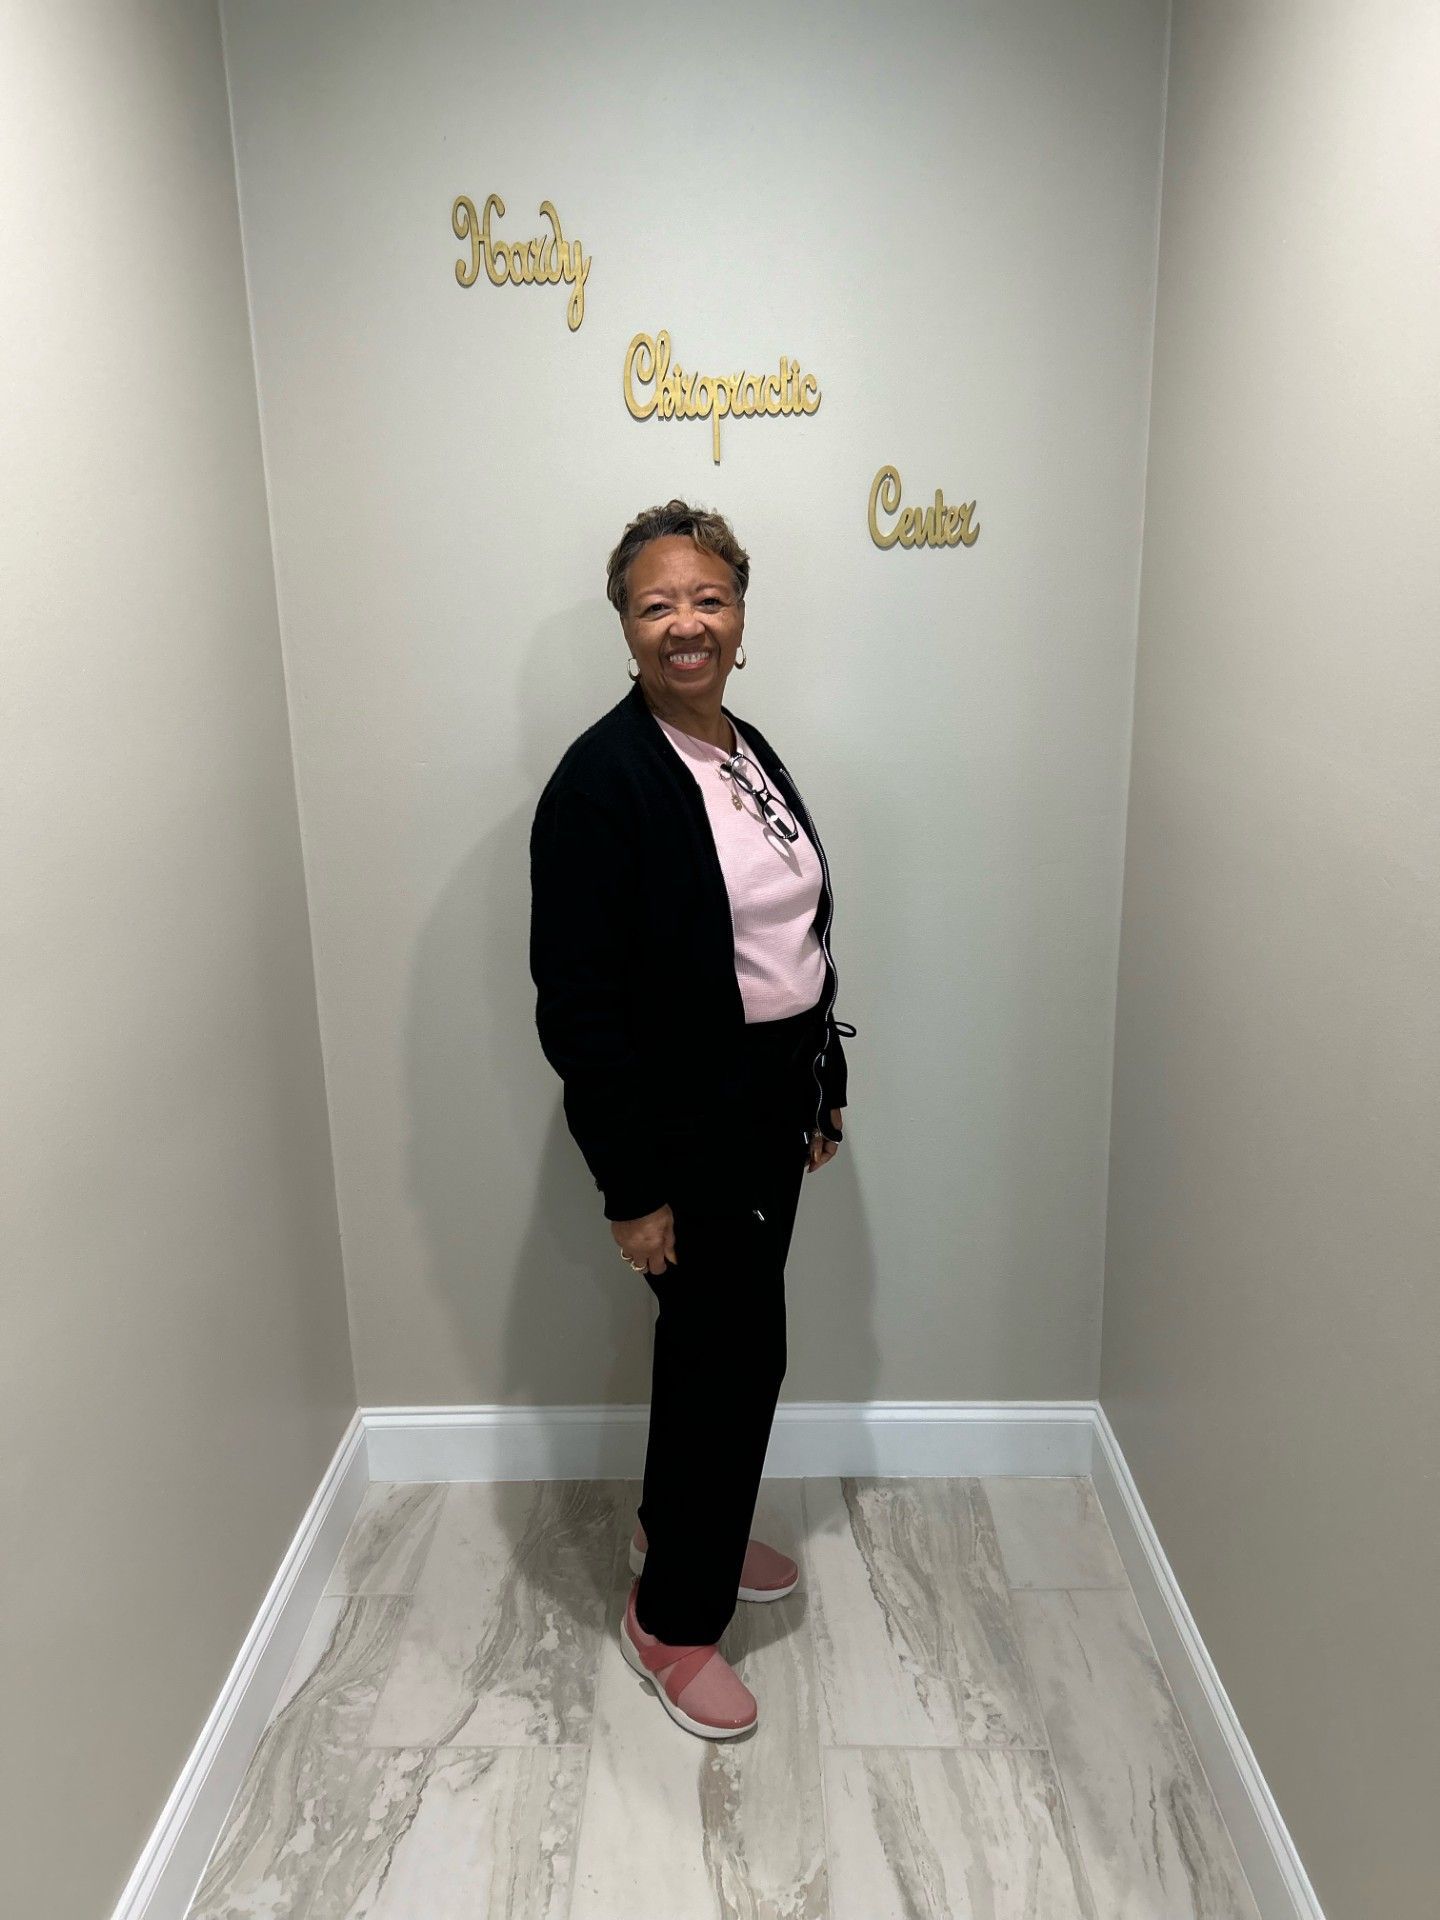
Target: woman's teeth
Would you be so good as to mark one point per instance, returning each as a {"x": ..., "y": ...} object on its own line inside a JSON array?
[{"x": 689, "y": 659}]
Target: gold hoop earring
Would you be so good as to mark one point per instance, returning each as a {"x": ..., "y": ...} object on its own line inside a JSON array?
[
  {"x": 635, "y": 664},
  {"x": 740, "y": 656}
]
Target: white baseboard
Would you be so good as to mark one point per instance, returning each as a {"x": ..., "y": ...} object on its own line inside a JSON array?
[
  {"x": 1274, "y": 1869},
  {"x": 809, "y": 1440},
  {"x": 168, "y": 1871}
]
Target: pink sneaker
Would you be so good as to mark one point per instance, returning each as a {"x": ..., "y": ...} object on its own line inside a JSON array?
[
  {"x": 767, "y": 1573},
  {"x": 698, "y": 1687}
]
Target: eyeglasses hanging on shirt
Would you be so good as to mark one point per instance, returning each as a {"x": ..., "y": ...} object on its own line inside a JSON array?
[{"x": 742, "y": 772}]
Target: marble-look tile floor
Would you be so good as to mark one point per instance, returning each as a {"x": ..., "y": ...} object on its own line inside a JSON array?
[{"x": 961, "y": 1715}]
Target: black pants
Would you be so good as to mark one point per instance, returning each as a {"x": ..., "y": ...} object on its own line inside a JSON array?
[{"x": 720, "y": 1348}]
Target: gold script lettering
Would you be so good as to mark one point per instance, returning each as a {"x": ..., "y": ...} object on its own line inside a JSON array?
[
  {"x": 937, "y": 525},
  {"x": 492, "y": 252},
  {"x": 462, "y": 219},
  {"x": 885, "y": 494},
  {"x": 675, "y": 394},
  {"x": 641, "y": 364},
  {"x": 543, "y": 261}
]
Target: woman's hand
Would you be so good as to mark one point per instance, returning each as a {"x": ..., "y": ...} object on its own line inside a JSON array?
[
  {"x": 822, "y": 1149},
  {"x": 647, "y": 1243}
]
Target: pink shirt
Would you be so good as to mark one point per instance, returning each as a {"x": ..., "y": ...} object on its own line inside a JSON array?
[{"x": 773, "y": 883}]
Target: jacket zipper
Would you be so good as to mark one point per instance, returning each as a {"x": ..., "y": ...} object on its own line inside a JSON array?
[{"x": 824, "y": 945}]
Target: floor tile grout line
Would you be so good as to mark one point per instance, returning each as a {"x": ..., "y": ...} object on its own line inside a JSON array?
[
  {"x": 1046, "y": 1752},
  {"x": 925, "y": 1746},
  {"x": 618, "y": 1565},
  {"x": 472, "y": 1746},
  {"x": 1169, "y": 1693},
  {"x": 1077, "y": 1842},
  {"x": 821, "y": 1710},
  {"x": 305, "y": 1721},
  {"x": 409, "y": 1601},
  {"x": 365, "y": 1746},
  {"x": 1221, "y": 1824},
  {"x": 583, "y": 1746},
  {"x": 355, "y": 1754},
  {"x": 1068, "y": 1586},
  {"x": 366, "y": 1593},
  {"x": 983, "y": 1497},
  {"x": 583, "y": 1800},
  {"x": 348, "y": 1599},
  {"x": 385, "y": 1679},
  {"x": 1115, "y": 1586},
  {"x": 615, "y": 1585},
  {"x": 353, "y": 1758},
  {"x": 441, "y": 1506},
  {"x": 1054, "y": 1758}
]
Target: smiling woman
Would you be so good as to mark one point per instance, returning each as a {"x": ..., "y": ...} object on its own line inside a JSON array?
[
  {"x": 685, "y": 623},
  {"x": 680, "y": 944}
]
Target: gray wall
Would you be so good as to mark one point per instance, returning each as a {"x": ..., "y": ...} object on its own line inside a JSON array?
[
  {"x": 1272, "y": 1314},
  {"x": 176, "y": 1371},
  {"x": 949, "y": 214}
]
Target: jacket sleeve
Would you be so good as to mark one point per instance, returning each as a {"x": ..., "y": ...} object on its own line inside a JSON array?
[{"x": 580, "y": 948}]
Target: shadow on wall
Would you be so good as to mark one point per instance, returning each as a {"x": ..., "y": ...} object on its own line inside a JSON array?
[{"x": 577, "y": 1321}]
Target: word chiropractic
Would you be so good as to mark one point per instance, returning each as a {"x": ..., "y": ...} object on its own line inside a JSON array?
[
  {"x": 676, "y": 394},
  {"x": 933, "y": 526},
  {"x": 544, "y": 261}
]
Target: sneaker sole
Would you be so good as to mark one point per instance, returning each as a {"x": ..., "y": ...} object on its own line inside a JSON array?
[
  {"x": 637, "y": 1565},
  {"x": 677, "y": 1714}
]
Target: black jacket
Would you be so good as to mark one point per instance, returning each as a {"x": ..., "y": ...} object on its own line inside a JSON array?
[{"x": 632, "y": 951}]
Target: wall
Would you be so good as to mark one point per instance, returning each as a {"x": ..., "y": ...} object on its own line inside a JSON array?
[
  {"x": 1271, "y": 1309},
  {"x": 948, "y": 213},
  {"x": 174, "y": 1375}
]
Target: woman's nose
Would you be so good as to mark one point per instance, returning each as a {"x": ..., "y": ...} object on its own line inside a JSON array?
[{"x": 686, "y": 623}]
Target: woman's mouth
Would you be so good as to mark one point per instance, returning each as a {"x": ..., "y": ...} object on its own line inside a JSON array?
[{"x": 688, "y": 662}]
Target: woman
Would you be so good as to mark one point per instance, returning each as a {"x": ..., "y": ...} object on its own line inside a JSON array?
[{"x": 679, "y": 942}]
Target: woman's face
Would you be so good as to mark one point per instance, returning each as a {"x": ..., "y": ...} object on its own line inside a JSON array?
[{"x": 682, "y": 603}]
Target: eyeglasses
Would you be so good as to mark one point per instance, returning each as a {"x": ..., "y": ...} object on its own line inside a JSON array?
[{"x": 742, "y": 770}]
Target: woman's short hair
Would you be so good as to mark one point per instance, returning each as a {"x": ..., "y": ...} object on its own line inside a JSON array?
[{"x": 710, "y": 531}]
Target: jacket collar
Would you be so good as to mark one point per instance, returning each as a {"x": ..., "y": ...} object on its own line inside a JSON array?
[
  {"x": 639, "y": 722},
  {"x": 640, "y": 733}
]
